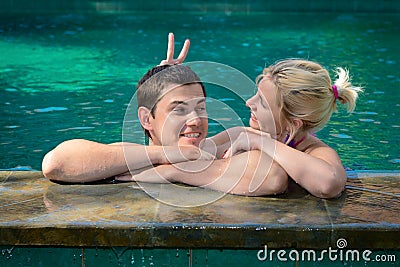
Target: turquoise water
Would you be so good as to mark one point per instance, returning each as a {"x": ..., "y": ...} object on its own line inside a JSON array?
[{"x": 72, "y": 76}]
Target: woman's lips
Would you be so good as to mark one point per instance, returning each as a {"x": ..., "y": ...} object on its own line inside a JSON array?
[{"x": 253, "y": 117}]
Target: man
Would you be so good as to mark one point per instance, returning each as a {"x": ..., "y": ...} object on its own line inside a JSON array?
[{"x": 163, "y": 93}]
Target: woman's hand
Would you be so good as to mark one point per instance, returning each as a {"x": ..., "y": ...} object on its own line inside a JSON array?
[
  {"x": 170, "y": 52},
  {"x": 251, "y": 139}
]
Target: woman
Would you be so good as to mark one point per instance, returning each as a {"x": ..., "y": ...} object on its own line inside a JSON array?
[
  {"x": 301, "y": 98},
  {"x": 295, "y": 98}
]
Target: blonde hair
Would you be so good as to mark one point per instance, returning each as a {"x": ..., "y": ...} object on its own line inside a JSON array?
[{"x": 304, "y": 91}]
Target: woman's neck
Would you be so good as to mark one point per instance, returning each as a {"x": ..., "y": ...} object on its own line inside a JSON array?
[{"x": 298, "y": 139}]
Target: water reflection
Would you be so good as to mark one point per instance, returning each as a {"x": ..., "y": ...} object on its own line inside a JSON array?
[
  {"x": 371, "y": 197},
  {"x": 371, "y": 190}
]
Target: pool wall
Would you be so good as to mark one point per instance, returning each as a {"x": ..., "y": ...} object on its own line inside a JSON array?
[
  {"x": 27, "y": 6},
  {"x": 48, "y": 224}
]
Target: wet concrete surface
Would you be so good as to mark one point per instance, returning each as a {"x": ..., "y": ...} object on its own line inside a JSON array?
[{"x": 35, "y": 211}]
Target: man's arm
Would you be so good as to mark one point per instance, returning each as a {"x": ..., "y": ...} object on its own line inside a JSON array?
[
  {"x": 251, "y": 173},
  {"x": 80, "y": 160}
]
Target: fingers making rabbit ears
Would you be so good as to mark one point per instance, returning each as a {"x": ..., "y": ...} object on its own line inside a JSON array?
[{"x": 171, "y": 49}]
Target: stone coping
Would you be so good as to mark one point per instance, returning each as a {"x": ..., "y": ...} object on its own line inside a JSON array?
[{"x": 35, "y": 211}]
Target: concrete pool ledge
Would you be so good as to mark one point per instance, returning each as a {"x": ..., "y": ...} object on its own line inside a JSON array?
[{"x": 35, "y": 211}]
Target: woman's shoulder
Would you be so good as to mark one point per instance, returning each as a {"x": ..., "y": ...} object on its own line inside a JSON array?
[
  {"x": 317, "y": 147},
  {"x": 314, "y": 143}
]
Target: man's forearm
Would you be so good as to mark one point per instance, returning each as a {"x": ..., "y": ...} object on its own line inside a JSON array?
[
  {"x": 81, "y": 160},
  {"x": 85, "y": 161},
  {"x": 251, "y": 173}
]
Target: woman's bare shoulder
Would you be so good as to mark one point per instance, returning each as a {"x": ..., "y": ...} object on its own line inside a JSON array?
[{"x": 320, "y": 149}]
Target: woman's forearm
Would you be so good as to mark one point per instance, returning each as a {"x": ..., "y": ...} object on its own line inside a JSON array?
[{"x": 320, "y": 172}]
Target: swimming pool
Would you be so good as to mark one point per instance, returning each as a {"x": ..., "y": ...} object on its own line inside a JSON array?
[
  {"x": 72, "y": 74},
  {"x": 66, "y": 76}
]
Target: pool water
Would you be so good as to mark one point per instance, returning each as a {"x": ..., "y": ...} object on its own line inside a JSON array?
[{"x": 65, "y": 76}]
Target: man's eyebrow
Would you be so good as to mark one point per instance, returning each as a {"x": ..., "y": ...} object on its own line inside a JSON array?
[
  {"x": 201, "y": 100},
  {"x": 177, "y": 102},
  {"x": 180, "y": 102}
]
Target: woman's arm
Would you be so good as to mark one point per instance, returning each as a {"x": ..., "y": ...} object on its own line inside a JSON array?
[
  {"x": 318, "y": 170},
  {"x": 251, "y": 173},
  {"x": 82, "y": 160},
  {"x": 170, "y": 60},
  {"x": 219, "y": 143}
]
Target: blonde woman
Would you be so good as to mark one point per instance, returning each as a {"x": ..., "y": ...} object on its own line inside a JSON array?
[{"x": 299, "y": 96}]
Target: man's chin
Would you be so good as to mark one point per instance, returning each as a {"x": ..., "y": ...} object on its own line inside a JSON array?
[{"x": 183, "y": 141}]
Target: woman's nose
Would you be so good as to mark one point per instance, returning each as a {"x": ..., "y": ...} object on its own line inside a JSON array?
[{"x": 249, "y": 102}]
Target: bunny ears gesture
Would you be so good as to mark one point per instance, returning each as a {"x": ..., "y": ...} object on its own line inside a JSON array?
[{"x": 170, "y": 51}]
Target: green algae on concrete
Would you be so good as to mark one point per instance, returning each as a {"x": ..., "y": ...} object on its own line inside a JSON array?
[{"x": 35, "y": 211}]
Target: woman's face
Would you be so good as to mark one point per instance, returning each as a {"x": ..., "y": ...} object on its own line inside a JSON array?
[{"x": 265, "y": 113}]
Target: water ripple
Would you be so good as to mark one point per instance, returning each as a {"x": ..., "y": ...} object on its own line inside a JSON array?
[
  {"x": 50, "y": 109},
  {"x": 76, "y": 128},
  {"x": 345, "y": 136}
]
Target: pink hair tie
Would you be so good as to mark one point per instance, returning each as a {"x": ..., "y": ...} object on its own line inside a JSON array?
[{"x": 335, "y": 91}]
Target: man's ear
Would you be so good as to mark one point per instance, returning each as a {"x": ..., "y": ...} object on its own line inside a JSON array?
[{"x": 144, "y": 118}]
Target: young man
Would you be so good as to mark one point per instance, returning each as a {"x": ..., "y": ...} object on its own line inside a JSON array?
[{"x": 161, "y": 92}]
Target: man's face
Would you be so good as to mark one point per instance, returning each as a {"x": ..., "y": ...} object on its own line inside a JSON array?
[{"x": 180, "y": 117}]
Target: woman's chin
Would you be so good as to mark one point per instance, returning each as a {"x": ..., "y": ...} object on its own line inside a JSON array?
[{"x": 254, "y": 125}]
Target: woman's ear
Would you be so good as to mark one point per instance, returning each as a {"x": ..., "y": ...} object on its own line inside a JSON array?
[
  {"x": 298, "y": 123},
  {"x": 144, "y": 118}
]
